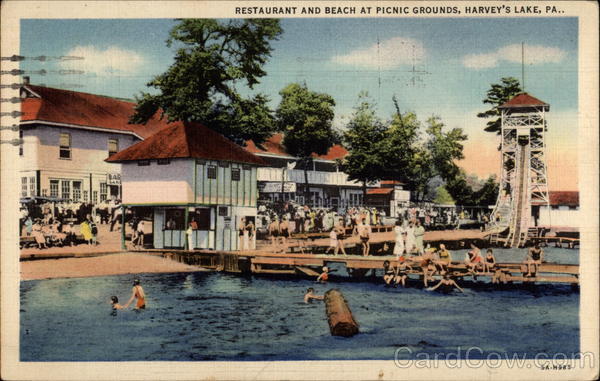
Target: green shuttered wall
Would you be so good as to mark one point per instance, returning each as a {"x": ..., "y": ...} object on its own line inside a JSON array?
[{"x": 223, "y": 190}]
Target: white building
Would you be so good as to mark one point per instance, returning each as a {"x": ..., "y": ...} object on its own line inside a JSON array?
[
  {"x": 67, "y": 136},
  {"x": 563, "y": 212},
  {"x": 187, "y": 172},
  {"x": 329, "y": 186}
]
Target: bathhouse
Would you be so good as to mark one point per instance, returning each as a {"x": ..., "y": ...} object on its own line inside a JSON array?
[{"x": 193, "y": 188}]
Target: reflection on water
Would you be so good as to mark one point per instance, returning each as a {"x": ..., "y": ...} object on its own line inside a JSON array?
[{"x": 211, "y": 316}]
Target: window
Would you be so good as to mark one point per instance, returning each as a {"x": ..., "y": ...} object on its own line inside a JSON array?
[
  {"x": 23, "y": 186},
  {"x": 76, "y": 190},
  {"x": 113, "y": 146},
  {"x": 200, "y": 219},
  {"x": 95, "y": 197},
  {"x": 223, "y": 211},
  {"x": 65, "y": 146},
  {"x": 20, "y": 145},
  {"x": 163, "y": 161},
  {"x": 53, "y": 188},
  {"x": 211, "y": 172},
  {"x": 573, "y": 207},
  {"x": 85, "y": 196},
  {"x": 103, "y": 191},
  {"x": 174, "y": 219},
  {"x": 32, "y": 188},
  {"x": 143, "y": 163},
  {"x": 65, "y": 189},
  {"x": 235, "y": 174}
]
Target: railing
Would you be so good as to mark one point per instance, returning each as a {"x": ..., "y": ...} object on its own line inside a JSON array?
[{"x": 314, "y": 177}]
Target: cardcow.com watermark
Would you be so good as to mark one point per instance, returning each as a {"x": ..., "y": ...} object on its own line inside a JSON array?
[{"x": 475, "y": 357}]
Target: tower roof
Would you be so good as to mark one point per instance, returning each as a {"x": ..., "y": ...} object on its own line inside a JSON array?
[
  {"x": 524, "y": 100},
  {"x": 186, "y": 140}
]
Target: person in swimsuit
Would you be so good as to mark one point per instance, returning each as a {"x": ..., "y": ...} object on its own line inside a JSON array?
[
  {"x": 535, "y": 257},
  {"x": 445, "y": 258},
  {"x": 389, "y": 273},
  {"x": 324, "y": 276},
  {"x": 402, "y": 272},
  {"x": 489, "y": 264},
  {"x": 340, "y": 231},
  {"x": 364, "y": 231},
  {"x": 309, "y": 296},
  {"x": 114, "y": 301},
  {"x": 241, "y": 229},
  {"x": 447, "y": 284},
  {"x": 284, "y": 233},
  {"x": 274, "y": 233},
  {"x": 473, "y": 259},
  {"x": 137, "y": 292},
  {"x": 332, "y": 242}
]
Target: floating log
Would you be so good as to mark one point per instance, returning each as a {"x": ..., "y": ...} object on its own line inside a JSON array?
[{"x": 340, "y": 319}]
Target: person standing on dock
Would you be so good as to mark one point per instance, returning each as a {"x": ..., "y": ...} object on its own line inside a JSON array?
[
  {"x": 364, "y": 232},
  {"x": 410, "y": 238},
  {"x": 274, "y": 233},
  {"x": 333, "y": 244},
  {"x": 419, "y": 232},
  {"x": 284, "y": 233},
  {"x": 399, "y": 241},
  {"x": 340, "y": 231}
]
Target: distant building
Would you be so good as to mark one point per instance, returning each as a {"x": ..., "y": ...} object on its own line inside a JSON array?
[
  {"x": 188, "y": 173},
  {"x": 390, "y": 197},
  {"x": 329, "y": 186},
  {"x": 67, "y": 135},
  {"x": 563, "y": 211}
]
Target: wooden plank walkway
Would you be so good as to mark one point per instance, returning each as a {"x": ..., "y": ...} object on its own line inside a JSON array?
[{"x": 263, "y": 262}]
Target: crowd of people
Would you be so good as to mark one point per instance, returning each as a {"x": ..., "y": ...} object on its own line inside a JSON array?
[{"x": 65, "y": 222}]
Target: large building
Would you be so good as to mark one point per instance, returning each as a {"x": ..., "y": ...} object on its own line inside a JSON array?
[
  {"x": 188, "y": 173},
  {"x": 329, "y": 187},
  {"x": 67, "y": 136}
]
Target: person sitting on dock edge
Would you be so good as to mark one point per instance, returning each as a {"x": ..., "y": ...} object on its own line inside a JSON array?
[
  {"x": 445, "y": 257},
  {"x": 489, "y": 264},
  {"x": 402, "y": 272},
  {"x": 389, "y": 273},
  {"x": 535, "y": 257}
]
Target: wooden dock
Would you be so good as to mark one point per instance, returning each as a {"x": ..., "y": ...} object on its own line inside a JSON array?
[{"x": 358, "y": 267}]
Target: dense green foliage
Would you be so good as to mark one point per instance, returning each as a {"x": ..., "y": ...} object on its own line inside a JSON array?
[
  {"x": 212, "y": 58},
  {"x": 497, "y": 95},
  {"x": 305, "y": 117}
]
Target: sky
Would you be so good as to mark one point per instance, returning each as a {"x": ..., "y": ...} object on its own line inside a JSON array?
[{"x": 433, "y": 66}]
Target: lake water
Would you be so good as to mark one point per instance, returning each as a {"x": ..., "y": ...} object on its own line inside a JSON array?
[{"x": 214, "y": 316}]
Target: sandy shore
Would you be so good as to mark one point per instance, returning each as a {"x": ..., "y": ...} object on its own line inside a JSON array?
[{"x": 113, "y": 264}]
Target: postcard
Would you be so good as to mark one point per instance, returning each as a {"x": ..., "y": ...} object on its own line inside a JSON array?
[{"x": 299, "y": 190}]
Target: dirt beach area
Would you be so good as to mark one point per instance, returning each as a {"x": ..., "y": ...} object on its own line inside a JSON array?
[{"x": 112, "y": 264}]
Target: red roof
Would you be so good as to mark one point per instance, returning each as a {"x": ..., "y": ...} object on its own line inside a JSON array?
[
  {"x": 524, "y": 100},
  {"x": 570, "y": 198},
  {"x": 274, "y": 146},
  {"x": 391, "y": 182},
  {"x": 186, "y": 140},
  {"x": 86, "y": 110},
  {"x": 380, "y": 191}
]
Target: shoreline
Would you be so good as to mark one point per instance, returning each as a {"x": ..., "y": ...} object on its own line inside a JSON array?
[{"x": 105, "y": 265}]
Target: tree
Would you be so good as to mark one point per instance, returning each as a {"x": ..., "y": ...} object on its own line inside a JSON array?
[
  {"x": 488, "y": 193},
  {"x": 212, "y": 58},
  {"x": 363, "y": 138},
  {"x": 497, "y": 95},
  {"x": 443, "y": 197},
  {"x": 401, "y": 152},
  {"x": 445, "y": 147},
  {"x": 305, "y": 118}
]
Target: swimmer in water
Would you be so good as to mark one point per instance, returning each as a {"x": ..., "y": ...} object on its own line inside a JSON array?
[
  {"x": 137, "y": 292},
  {"x": 309, "y": 296},
  {"x": 324, "y": 275},
  {"x": 115, "y": 303},
  {"x": 447, "y": 284}
]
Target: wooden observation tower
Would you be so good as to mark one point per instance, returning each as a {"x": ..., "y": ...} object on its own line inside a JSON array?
[{"x": 524, "y": 182}]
